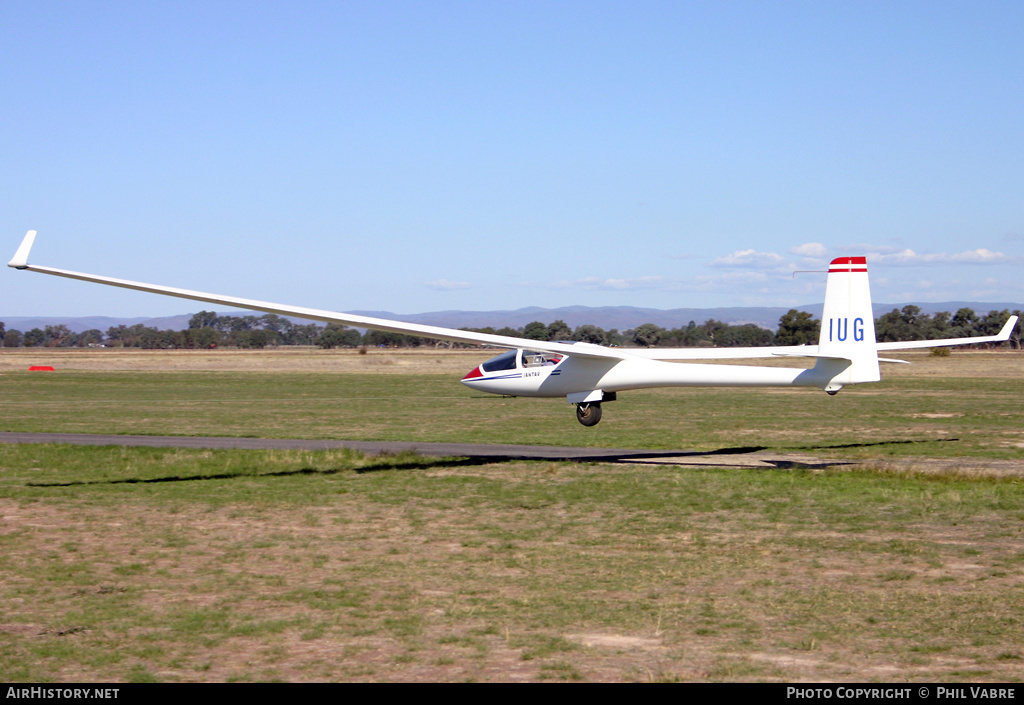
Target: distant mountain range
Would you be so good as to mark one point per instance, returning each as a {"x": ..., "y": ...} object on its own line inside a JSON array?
[{"x": 606, "y": 317}]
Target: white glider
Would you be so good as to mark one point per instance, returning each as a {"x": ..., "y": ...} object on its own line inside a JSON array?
[{"x": 587, "y": 374}]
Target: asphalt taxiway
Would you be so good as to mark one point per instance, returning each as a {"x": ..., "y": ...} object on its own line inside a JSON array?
[{"x": 732, "y": 457}]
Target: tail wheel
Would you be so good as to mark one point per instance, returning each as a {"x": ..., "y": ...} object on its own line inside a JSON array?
[{"x": 588, "y": 414}]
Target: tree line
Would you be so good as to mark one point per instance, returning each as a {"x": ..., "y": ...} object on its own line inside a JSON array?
[{"x": 207, "y": 329}]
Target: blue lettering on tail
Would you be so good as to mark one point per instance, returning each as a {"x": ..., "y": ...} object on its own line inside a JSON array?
[{"x": 841, "y": 328}]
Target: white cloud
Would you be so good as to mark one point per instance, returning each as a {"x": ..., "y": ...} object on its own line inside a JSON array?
[
  {"x": 752, "y": 259},
  {"x": 726, "y": 282},
  {"x": 982, "y": 256},
  {"x": 611, "y": 283},
  {"x": 445, "y": 285},
  {"x": 909, "y": 257},
  {"x": 860, "y": 248},
  {"x": 614, "y": 284},
  {"x": 809, "y": 249}
]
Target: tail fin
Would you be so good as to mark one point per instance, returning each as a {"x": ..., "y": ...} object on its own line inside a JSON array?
[{"x": 847, "y": 346}]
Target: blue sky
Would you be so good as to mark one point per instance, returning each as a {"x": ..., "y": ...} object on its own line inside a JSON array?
[{"x": 419, "y": 156}]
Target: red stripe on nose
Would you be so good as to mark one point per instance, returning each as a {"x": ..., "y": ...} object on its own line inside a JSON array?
[{"x": 475, "y": 372}]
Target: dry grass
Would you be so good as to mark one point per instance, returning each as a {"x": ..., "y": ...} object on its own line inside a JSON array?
[
  {"x": 359, "y": 570},
  {"x": 502, "y": 572},
  {"x": 284, "y": 359}
]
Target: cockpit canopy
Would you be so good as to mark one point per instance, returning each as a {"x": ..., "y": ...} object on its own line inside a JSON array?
[
  {"x": 540, "y": 359},
  {"x": 513, "y": 359}
]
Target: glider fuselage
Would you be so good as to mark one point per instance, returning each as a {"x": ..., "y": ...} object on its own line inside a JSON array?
[{"x": 571, "y": 374}]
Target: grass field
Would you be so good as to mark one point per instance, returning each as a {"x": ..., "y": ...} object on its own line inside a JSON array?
[
  {"x": 132, "y": 564},
  {"x": 974, "y": 398}
]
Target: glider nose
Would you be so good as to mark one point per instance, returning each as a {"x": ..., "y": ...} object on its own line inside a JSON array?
[{"x": 473, "y": 374}]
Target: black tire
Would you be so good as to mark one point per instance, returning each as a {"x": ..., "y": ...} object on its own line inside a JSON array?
[{"x": 588, "y": 414}]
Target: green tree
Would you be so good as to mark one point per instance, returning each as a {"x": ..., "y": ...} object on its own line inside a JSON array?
[
  {"x": 335, "y": 335},
  {"x": 964, "y": 323},
  {"x": 89, "y": 337},
  {"x": 132, "y": 336},
  {"x": 714, "y": 331},
  {"x": 689, "y": 336},
  {"x": 647, "y": 335},
  {"x": 1015, "y": 334},
  {"x": 203, "y": 319},
  {"x": 590, "y": 334},
  {"x": 149, "y": 338},
  {"x": 12, "y": 338},
  {"x": 746, "y": 335},
  {"x": 797, "y": 328},
  {"x": 535, "y": 330},
  {"x": 992, "y": 322},
  {"x": 237, "y": 323},
  {"x": 385, "y": 339},
  {"x": 253, "y": 339},
  {"x": 938, "y": 326},
  {"x": 57, "y": 336},
  {"x": 890, "y": 327},
  {"x": 276, "y": 324},
  {"x": 34, "y": 338},
  {"x": 116, "y": 335},
  {"x": 559, "y": 330},
  {"x": 303, "y": 334},
  {"x": 203, "y": 338},
  {"x": 913, "y": 317}
]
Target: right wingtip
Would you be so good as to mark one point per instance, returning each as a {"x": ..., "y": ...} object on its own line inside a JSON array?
[
  {"x": 1008, "y": 327},
  {"x": 20, "y": 260}
]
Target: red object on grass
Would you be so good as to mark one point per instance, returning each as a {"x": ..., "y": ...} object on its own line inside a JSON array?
[{"x": 40, "y": 368}]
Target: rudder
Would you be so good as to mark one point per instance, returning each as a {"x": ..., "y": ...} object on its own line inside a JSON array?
[{"x": 848, "y": 325}]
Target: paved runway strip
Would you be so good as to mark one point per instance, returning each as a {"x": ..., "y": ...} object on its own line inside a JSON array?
[{"x": 734, "y": 457}]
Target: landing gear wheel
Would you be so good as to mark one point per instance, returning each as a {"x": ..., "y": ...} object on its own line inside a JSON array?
[{"x": 588, "y": 414}]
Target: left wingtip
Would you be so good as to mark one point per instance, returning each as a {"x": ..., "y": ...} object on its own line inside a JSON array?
[{"x": 20, "y": 260}]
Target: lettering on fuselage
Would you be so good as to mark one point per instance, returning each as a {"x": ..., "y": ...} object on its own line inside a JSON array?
[{"x": 839, "y": 329}]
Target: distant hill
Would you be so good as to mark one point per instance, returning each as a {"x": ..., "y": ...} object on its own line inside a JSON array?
[
  {"x": 626, "y": 317},
  {"x": 101, "y": 323},
  {"x": 607, "y": 317}
]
